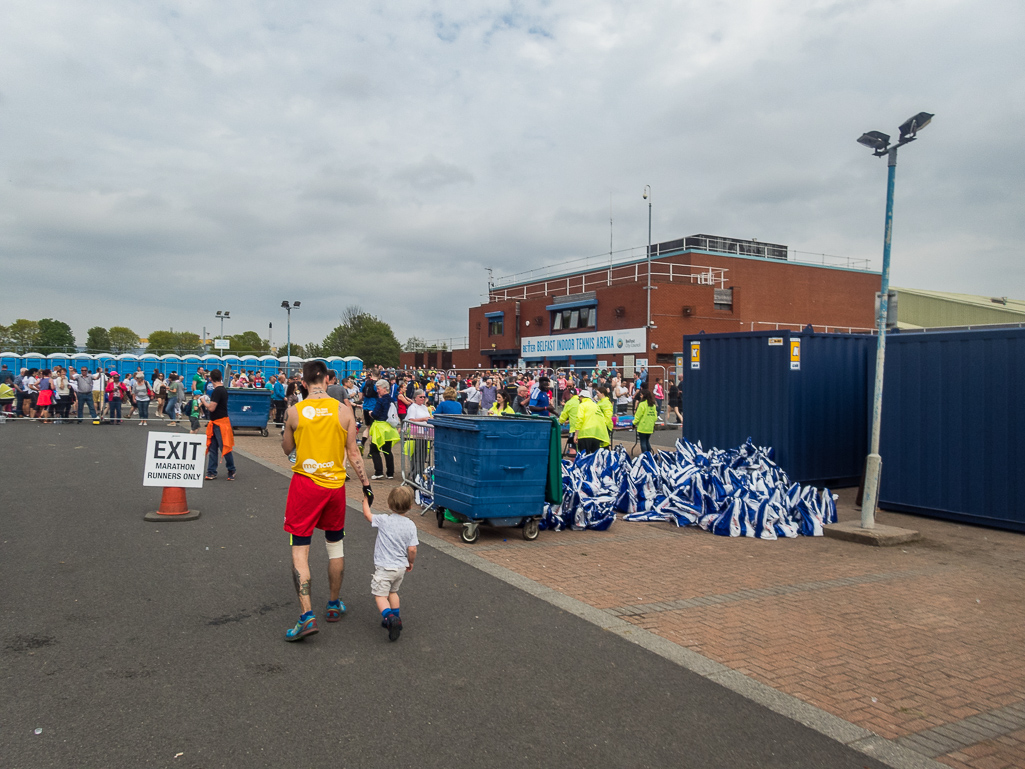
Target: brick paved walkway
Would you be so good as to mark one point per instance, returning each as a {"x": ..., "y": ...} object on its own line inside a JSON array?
[{"x": 920, "y": 643}]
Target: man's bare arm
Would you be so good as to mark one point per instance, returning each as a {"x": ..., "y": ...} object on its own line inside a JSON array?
[
  {"x": 348, "y": 421},
  {"x": 288, "y": 436}
]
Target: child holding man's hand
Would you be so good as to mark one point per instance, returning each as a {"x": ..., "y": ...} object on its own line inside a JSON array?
[{"x": 394, "y": 555}]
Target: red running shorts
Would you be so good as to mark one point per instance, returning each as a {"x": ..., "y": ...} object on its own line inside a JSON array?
[{"x": 310, "y": 507}]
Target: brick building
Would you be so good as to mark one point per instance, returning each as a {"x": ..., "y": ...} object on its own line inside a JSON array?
[{"x": 593, "y": 310}]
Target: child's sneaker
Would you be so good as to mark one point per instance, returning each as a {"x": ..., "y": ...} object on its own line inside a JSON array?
[
  {"x": 303, "y": 628},
  {"x": 335, "y": 610},
  {"x": 394, "y": 625}
]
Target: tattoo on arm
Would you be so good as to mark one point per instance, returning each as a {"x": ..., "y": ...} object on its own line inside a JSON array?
[
  {"x": 301, "y": 587},
  {"x": 361, "y": 473}
]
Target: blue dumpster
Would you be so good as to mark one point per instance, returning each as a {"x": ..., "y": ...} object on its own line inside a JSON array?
[
  {"x": 249, "y": 408},
  {"x": 491, "y": 470}
]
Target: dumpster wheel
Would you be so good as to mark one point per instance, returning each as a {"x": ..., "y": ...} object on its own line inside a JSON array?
[
  {"x": 441, "y": 518},
  {"x": 264, "y": 432},
  {"x": 470, "y": 533},
  {"x": 530, "y": 529}
]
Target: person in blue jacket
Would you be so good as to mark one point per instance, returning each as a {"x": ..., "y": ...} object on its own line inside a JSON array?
[{"x": 449, "y": 405}]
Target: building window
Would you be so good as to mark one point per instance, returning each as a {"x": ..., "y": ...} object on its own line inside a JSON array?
[
  {"x": 723, "y": 299},
  {"x": 495, "y": 326},
  {"x": 578, "y": 317}
]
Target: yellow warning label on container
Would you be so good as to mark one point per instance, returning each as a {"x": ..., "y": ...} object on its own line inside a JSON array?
[
  {"x": 695, "y": 354},
  {"x": 795, "y": 354}
]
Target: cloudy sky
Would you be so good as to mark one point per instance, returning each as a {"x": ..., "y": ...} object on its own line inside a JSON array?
[{"x": 163, "y": 160}]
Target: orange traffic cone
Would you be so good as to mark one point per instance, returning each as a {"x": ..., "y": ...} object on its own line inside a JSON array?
[{"x": 173, "y": 507}]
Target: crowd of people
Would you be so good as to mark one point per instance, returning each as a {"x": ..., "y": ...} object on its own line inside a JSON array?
[{"x": 591, "y": 403}]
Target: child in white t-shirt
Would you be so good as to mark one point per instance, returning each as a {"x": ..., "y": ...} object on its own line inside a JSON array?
[{"x": 394, "y": 555}]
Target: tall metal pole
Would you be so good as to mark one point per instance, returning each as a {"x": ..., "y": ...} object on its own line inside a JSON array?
[
  {"x": 873, "y": 464},
  {"x": 288, "y": 355},
  {"x": 648, "y": 287}
]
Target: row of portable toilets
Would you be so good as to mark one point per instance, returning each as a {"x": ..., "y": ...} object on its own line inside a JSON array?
[{"x": 184, "y": 365}]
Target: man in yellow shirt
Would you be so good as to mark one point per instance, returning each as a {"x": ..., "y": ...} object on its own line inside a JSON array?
[
  {"x": 570, "y": 411},
  {"x": 321, "y": 431}
]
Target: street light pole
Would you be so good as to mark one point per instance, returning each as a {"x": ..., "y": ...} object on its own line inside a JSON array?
[
  {"x": 879, "y": 142},
  {"x": 288, "y": 355},
  {"x": 647, "y": 288}
]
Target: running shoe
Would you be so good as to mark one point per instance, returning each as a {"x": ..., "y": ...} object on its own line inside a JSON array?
[
  {"x": 394, "y": 628},
  {"x": 376, "y": 477},
  {"x": 301, "y": 629},
  {"x": 231, "y": 476},
  {"x": 391, "y": 477},
  {"x": 335, "y": 610},
  {"x": 210, "y": 477}
]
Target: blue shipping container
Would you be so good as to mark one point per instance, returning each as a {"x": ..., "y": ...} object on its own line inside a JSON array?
[
  {"x": 952, "y": 426},
  {"x": 490, "y": 467},
  {"x": 804, "y": 394}
]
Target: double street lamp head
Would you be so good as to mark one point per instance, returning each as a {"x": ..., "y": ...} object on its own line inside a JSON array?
[
  {"x": 223, "y": 314},
  {"x": 293, "y": 306},
  {"x": 879, "y": 142}
]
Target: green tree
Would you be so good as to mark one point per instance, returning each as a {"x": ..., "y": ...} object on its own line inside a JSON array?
[
  {"x": 414, "y": 344},
  {"x": 6, "y": 343},
  {"x": 311, "y": 350},
  {"x": 176, "y": 342},
  {"x": 55, "y": 336},
  {"x": 365, "y": 336},
  {"x": 248, "y": 342},
  {"x": 97, "y": 340},
  {"x": 24, "y": 335},
  {"x": 122, "y": 340}
]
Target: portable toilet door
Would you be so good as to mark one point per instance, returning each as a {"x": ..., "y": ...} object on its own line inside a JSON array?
[
  {"x": 34, "y": 360},
  {"x": 230, "y": 363},
  {"x": 337, "y": 364},
  {"x": 171, "y": 363},
  {"x": 189, "y": 366},
  {"x": 296, "y": 363},
  {"x": 353, "y": 366},
  {"x": 211, "y": 362},
  {"x": 126, "y": 365},
  {"x": 55, "y": 359},
  {"x": 80, "y": 359},
  {"x": 150, "y": 363},
  {"x": 269, "y": 365},
  {"x": 250, "y": 364},
  {"x": 105, "y": 362},
  {"x": 12, "y": 361}
]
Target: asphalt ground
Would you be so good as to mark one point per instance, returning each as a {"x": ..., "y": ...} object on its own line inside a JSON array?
[{"x": 134, "y": 644}]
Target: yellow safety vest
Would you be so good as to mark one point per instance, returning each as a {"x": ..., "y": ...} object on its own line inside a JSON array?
[
  {"x": 605, "y": 407},
  {"x": 591, "y": 422},
  {"x": 570, "y": 413},
  {"x": 320, "y": 443}
]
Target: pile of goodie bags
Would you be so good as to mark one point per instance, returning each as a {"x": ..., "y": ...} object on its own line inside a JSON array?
[{"x": 734, "y": 493}]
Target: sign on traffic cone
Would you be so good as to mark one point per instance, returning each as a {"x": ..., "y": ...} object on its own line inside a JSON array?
[{"x": 173, "y": 507}]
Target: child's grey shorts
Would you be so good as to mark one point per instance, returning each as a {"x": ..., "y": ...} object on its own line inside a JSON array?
[{"x": 386, "y": 581}]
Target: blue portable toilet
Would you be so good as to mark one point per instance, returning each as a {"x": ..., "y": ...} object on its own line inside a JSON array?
[
  {"x": 269, "y": 365},
  {"x": 34, "y": 360},
  {"x": 211, "y": 361},
  {"x": 229, "y": 361},
  {"x": 337, "y": 364},
  {"x": 353, "y": 366},
  {"x": 55, "y": 359},
  {"x": 150, "y": 363},
  {"x": 189, "y": 366},
  {"x": 12, "y": 361},
  {"x": 171, "y": 364},
  {"x": 126, "y": 365},
  {"x": 249, "y": 363},
  {"x": 297, "y": 363},
  {"x": 79, "y": 359},
  {"x": 105, "y": 362}
]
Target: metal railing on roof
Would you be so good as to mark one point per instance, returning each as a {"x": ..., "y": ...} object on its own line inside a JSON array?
[{"x": 639, "y": 253}]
